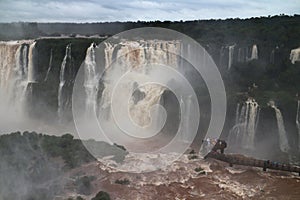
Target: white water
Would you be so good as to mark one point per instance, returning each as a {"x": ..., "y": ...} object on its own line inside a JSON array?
[
  {"x": 62, "y": 102},
  {"x": 254, "y": 52},
  {"x": 295, "y": 55},
  {"x": 187, "y": 119},
  {"x": 237, "y": 113},
  {"x": 243, "y": 132},
  {"x": 140, "y": 112},
  {"x": 49, "y": 66},
  {"x": 91, "y": 80},
  {"x": 283, "y": 140},
  {"x": 14, "y": 79},
  {"x": 108, "y": 51},
  {"x": 132, "y": 55},
  {"x": 21, "y": 71},
  {"x": 230, "y": 55},
  {"x": 31, "y": 64},
  {"x": 298, "y": 123},
  {"x": 139, "y": 58},
  {"x": 14, "y": 73}
]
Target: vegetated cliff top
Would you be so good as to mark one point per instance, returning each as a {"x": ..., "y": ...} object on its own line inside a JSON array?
[
  {"x": 36, "y": 166},
  {"x": 227, "y": 30}
]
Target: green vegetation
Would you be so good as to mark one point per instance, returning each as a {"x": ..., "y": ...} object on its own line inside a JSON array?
[
  {"x": 33, "y": 165},
  {"x": 192, "y": 151},
  {"x": 101, "y": 196},
  {"x": 30, "y": 159},
  {"x": 124, "y": 181},
  {"x": 193, "y": 157},
  {"x": 70, "y": 150},
  {"x": 279, "y": 29},
  {"x": 272, "y": 78},
  {"x": 83, "y": 184},
  {"x": 120, "y": 146},
  {"x": 198, "y": 169}
]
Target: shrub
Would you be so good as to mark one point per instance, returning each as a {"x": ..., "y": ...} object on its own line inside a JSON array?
[
  {"x": 84, "y": 184},
  {"x": 198, "y": 169},
  {"x": 124, "y": 181},
  {"x": 101, "y": 196},
  {"x": 193, "y": 157}
]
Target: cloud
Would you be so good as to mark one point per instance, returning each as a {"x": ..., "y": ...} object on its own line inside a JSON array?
[{"x": 133, "y": 10}]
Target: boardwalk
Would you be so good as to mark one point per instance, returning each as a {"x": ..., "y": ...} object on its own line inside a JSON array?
[{"x": 248, "y": 161}]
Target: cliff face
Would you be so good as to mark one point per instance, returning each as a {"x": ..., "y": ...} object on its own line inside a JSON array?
[{"x": 37, "y": 76}]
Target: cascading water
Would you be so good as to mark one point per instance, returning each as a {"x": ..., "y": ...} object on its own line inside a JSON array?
[
  {"x": 274, "y": 56},
  {"x": 32, "y": 62},
  {"x": 91, "y": 80},
  {"x": 283, "y": 140},
  {"x": 185, "y": 136},
  {"x": 63, "y": 97},
  {"x": 132, "y": 55},
  {"x": 254, "y": 53},
  {"x": 230, "y": 55},
  {"x": 138, "y": 111},
  {"x": 22, "y": 72},
  {"x": 14, "y": 83},
  {"x": 137, "y": 57},
  {"x": 298, "y": 123},
  {"x": 49, "y": 66},
  {"x": 157, "y": 118},
  {"x": 14, "y": 73},
  {"x": 243, "y": 132},
  {"x": 108, "y": 51},
  {"x": 295, "y": 55}
]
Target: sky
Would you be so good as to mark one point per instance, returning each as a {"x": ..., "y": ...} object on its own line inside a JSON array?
[{"x": 143, "y": 10}]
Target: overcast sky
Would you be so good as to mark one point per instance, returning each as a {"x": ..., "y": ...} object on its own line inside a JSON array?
[{"x": 133, "y": 10}]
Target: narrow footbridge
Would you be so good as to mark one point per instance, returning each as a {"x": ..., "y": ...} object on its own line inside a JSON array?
[{"x": 248, "y": 161}]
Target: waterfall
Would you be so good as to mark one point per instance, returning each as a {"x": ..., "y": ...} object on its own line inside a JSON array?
[
  {"x": 242, "y": 55},
  {"x": 49, "y": 66},
  {"x": 8, "y": 61},
  {"x": 140, "y": 58},
  {"x": 185, "y": 132},
  {"x": 222, "y": 54},
  {"x": 283, "y": 140},
  {"x": 14, "y": 75},
  {"x": 21, "y": 72},
  {"x": 182, "y": 130},
  {"x": 90, "y": 80},
  {"x": 136, "y": 55},
  {"x": 237, "y": 114},
  {"x": 252, "y": 123},
  {"x": 243, "y": 132},
  {"x": 230, "y": 55},
  {"x": 157, "y": 118},
  {"x": 108, "y": 51},
  {"x": 298, "y": 123},
  {"x": 295, "y": 55},
  {"x": 63, "y": 97},
  {"x": 254, "y": 53},
  {"x": 32, "y": 63},
  {"x": 140, "y": 112}
]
